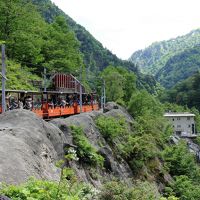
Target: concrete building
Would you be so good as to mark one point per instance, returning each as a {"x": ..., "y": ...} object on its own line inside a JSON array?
[{"x": 183, "y": 123}]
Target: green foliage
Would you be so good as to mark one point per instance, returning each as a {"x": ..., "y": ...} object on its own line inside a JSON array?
[
  {"x": 139, "y": 145},
  {"x": 116, "y": 190},
  {"x": 120, "y": 84},
  {"x": 151, "y": 130},
  {"x": 19, "y": 77},
  {"x": 184, "y": 93},
  {"x": 59, "y": 40},
  {"x": 169, "y": 198},
  {"x": 58, "y": 44},
  {"x": 111, "y": 127},
  {"x": 21, "y": 27},
  {"x": 179, "y": 67},
  {"x": 33, "y": 42},
  {"x": 142, "y": 103},
  {"x": 184, "y": 188},
  {"x": 85, "y": 151},
  {"x": 154, "y": 57},
  {"x": 179, "y": 161},
  {"x": 96, "y": 57},
  {"x": 47, "y": 190}
]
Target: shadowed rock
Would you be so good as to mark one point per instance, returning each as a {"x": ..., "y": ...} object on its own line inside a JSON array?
[{"x": 4, "y": 198}]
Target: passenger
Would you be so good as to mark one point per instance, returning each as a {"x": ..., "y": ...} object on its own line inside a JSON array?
[
  {"x": 51, "y": 104},
  {"x": 14, "y": 104},
  {"x": 68, "y": 101},
  {"x": 62, "y": 103},
  {"x": 67, "y": 104},
  {"x": 28, "y": 103},
  {"x": 8, "y": 101},
  {"x": 71, "y": 100},
  {"x": 37, "y": 104},
  {"x": 21, "y": 105}
]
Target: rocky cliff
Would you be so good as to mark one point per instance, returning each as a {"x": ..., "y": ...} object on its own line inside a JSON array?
[{"x": 30, "y": 146}]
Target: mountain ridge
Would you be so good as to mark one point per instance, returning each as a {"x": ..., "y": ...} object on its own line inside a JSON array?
[
  {"x": 170, "y": 61},
  {"x": 154, "y": 57}
]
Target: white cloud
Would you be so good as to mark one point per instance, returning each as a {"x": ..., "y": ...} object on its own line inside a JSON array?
[{"x": 124, "y": 26}]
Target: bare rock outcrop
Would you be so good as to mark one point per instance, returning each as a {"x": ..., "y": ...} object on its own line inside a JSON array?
[
  {"x": 29, "y": 146},
  {"x": 115, "y": 166}
]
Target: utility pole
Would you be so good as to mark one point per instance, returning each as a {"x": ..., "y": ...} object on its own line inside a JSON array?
[
  {"x": 81, "y": 101},
  {"x": 45, "y": 79},
  {"x": 104, "y": 93},
  {"x": 3, "y": 79}
]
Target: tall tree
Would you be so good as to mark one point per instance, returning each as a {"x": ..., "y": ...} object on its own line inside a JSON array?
[
  {"x": 120, "y": 83},
  {"x": 61, "y": 49},
  {"x": 21, "y": 27}
]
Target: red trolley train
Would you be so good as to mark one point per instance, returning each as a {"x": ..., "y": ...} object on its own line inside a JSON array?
[{"x": 61, "y": 99}]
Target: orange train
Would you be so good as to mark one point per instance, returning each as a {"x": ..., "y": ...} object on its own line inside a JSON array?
[
  {"x": 62, "y": 99},
  {"x": 45, "y": 108}
]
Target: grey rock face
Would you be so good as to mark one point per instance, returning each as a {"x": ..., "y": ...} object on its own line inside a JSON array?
[
  {"x": 29, "y": 146},
  {"x": 4, "y": 198},
  {"x": 114, "y": 165}
]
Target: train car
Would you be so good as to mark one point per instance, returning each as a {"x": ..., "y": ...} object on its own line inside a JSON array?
[{"x": 61, "y": 99}]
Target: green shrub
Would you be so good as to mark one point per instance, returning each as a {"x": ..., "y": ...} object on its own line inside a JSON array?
[
  {"x": 46, "y": 190},
  {"x": 116, "y": 190},
  {"x": 180, "y": 161},
  {"x": 111, "y": 127},
  {"x": 85, "y": 151},
  {"x": 184, "y": 188}
]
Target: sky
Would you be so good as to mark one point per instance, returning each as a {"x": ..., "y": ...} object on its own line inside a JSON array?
[{"x": 125, "y": 26}]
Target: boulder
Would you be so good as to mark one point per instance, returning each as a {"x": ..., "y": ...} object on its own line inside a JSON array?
[{"x": 29, "y": 146}]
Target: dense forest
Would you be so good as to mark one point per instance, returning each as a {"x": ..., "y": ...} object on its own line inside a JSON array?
[
  {"x": 185, "y": 93},
  {"x": 170, "y": 61},
  {"x": 37, "y": 34},
  {"x": 179, "y": 67}
]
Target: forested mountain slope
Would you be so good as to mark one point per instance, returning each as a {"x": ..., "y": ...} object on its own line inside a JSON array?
[
  {"x": 96, "y": 57},
  {"x": 185, "y": 93},
  {"x": 179, "y": 67},
  {"x": 155, "y": 57},
  {"x": 41, "y": 35}
]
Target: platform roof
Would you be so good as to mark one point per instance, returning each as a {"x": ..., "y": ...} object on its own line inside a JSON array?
[{"x": 179, "y": 114}]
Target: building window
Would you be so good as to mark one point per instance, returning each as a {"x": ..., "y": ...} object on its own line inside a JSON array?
[
  {"x": 189, "y": 126},
  {"x": 173, "y": 119},
  {"x": 178, "y": 126},
  {"x": 188, "y": 118},
  {"x": 178, "y": 118}
]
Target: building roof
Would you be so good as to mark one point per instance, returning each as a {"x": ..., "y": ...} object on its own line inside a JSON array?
[{"x": 179, "y": 114}]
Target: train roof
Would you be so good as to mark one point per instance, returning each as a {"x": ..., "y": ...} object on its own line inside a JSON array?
[{"x": 40, "y": 92}]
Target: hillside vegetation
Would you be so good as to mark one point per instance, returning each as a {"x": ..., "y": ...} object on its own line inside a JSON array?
[
  {"x": 95, "y": 56},
  {"x": 179, "y": 67},
  {"x": 121, "y": 157},
  {"x": 37, "y": 34},
  {"x": 185, "y": 93},
  {"x": 170, "y": 61},
  {"x": 121, "y": 153}
]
